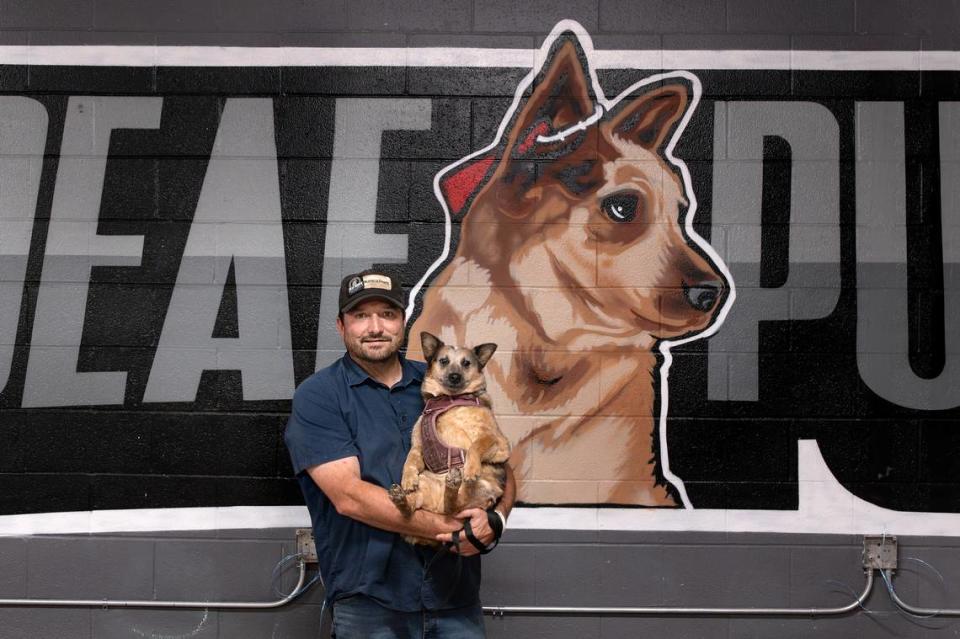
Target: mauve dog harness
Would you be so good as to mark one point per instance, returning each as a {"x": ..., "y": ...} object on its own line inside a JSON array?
[{"x": 439, "y": 457}]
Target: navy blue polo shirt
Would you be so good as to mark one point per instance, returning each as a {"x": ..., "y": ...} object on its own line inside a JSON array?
[{"x": 340, "y": 412}]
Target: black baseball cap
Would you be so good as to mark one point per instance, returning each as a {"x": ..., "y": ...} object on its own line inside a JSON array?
[{"x": 370, "y": 284}]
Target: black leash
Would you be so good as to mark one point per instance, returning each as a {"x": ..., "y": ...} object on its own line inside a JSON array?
[
  {"x": 443, "y": 550},
  {"x": 496, "y": 524}
]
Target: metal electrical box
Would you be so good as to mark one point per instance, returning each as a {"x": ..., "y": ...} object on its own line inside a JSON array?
[
  {"x": 880, "y": 552},
  {"x": 305, "y": 545}
]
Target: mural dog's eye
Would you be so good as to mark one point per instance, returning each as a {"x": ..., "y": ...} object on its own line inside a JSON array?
[{"x": 620, "y": 207}]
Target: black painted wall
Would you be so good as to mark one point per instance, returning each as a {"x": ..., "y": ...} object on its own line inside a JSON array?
[{"x": 221, "y": 449}]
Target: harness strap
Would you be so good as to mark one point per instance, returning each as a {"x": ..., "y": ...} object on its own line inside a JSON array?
[{"x": 438, "y": 456}]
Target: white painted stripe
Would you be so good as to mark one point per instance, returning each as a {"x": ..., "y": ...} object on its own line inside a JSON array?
[
  {"x": 654, "y": 59},
  {"x": 723, "y": 60},
  {"x": 940, "y": 60},
  {"x": 859, "y": 60},
  {"x": 155, "y": 520},
  {"x": 825, "y": 507},
  {"x": 14, "y": 55}
]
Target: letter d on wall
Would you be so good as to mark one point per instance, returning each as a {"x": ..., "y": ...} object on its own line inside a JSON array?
[
  {"x": 23, "y": 132},
  {"x": 73, "y": 247}
]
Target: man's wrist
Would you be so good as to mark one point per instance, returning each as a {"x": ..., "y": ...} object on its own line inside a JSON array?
[{"x": 497, "y": 521}]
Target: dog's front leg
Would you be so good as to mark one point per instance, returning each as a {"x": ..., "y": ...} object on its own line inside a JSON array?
[
  {"x": 499, "y": 452},
  {"x": 476, "y": 455}
]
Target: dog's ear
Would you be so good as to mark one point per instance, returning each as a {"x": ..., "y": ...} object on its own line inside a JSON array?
[
  {"x": 429, "y": 345},
  {"x": 562, "y": 98},
  {"x": 484, "y": 352},
  {"x": 649, "y": 119}
]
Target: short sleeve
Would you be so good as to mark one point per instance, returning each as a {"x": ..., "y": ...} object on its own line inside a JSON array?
[{"x": 316, "y": 432}]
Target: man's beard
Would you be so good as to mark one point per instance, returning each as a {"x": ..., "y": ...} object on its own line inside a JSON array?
[{"x": 358, "y": 352}]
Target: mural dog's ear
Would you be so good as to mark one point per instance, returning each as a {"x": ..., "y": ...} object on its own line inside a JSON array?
[
  {"x": 429, "y": 345},
  {"x": 562, "y": 97},
  {"x": 649, "y": 119}
]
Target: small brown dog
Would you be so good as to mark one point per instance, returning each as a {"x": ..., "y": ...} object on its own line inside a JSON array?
[{"x": 458, "y": 454}]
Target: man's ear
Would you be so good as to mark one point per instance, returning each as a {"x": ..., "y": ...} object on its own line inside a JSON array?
[
  {"x": 484, "y": 352},
  {"x": 648, "y": 120},
  {"x": 429, "y": 345}
]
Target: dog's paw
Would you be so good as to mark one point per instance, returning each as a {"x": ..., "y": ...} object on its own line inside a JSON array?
[
  {"x": 500, "y": 457},
  {"x": 454, "y": 477},
  {"x": 397, "y": 495}
]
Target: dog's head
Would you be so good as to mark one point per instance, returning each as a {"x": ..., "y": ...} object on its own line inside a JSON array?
[
  {"x": 579, "y": 196},
  {"x": 452, "y": 370}
]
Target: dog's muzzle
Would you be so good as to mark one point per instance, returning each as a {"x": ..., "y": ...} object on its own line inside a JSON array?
[
  {"x": 454, "y": 380},
  {"x": 704, "y": 295}
]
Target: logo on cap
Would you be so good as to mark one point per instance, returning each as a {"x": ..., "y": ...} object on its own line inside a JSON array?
[{"x": 355, "y": 286}]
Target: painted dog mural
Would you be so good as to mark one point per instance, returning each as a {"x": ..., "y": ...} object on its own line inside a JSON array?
[{"x": 573, "y": 256}]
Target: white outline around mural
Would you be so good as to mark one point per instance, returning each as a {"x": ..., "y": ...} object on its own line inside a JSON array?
[{"x": 606, "y": 106}]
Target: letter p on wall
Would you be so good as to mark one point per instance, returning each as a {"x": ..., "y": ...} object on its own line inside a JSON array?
[{"x": 812, "y": 288}]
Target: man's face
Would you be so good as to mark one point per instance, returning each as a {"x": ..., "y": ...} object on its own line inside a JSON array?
[{"x": 372, "y": 330}]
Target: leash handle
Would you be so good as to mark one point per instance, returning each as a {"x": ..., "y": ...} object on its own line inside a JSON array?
[
  {"x": 479, "y": 545},
  {"x": 496, "y": 521}
]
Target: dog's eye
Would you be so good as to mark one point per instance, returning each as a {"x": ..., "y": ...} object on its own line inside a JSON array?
[
  {"x": 444, "y": 361},
  {"x": 465, "y": 363},
  {"x": 620, "y": 207}
]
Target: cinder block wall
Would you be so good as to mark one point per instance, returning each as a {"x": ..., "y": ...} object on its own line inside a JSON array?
[{"x": 218, "y": 442}]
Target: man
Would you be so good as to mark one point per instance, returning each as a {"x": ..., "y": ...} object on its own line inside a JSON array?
[{"x": 348, "y": 436}]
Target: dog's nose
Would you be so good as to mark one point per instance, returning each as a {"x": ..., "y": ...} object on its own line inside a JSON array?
[
  {"x": 704, "y": 295},
  {"x": 454, "y": 379}
]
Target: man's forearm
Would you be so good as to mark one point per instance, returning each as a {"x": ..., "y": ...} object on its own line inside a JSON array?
[{"x": 371, "y": 505}]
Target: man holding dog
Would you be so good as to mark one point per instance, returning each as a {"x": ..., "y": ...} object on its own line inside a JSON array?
[{"x": 348, "y": 437}]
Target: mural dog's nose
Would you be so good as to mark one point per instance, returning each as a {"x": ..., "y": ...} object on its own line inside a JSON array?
[{"x": 704, "y": 295}]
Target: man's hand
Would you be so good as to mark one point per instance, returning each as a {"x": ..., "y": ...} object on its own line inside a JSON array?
[
  {"x": 481, "y": 530},
  {"x": 479, "y": 522},
  {"x": 355, "y": 498}
]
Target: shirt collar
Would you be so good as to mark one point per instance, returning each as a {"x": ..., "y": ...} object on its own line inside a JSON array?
[{"x": 357, "y": 376}]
